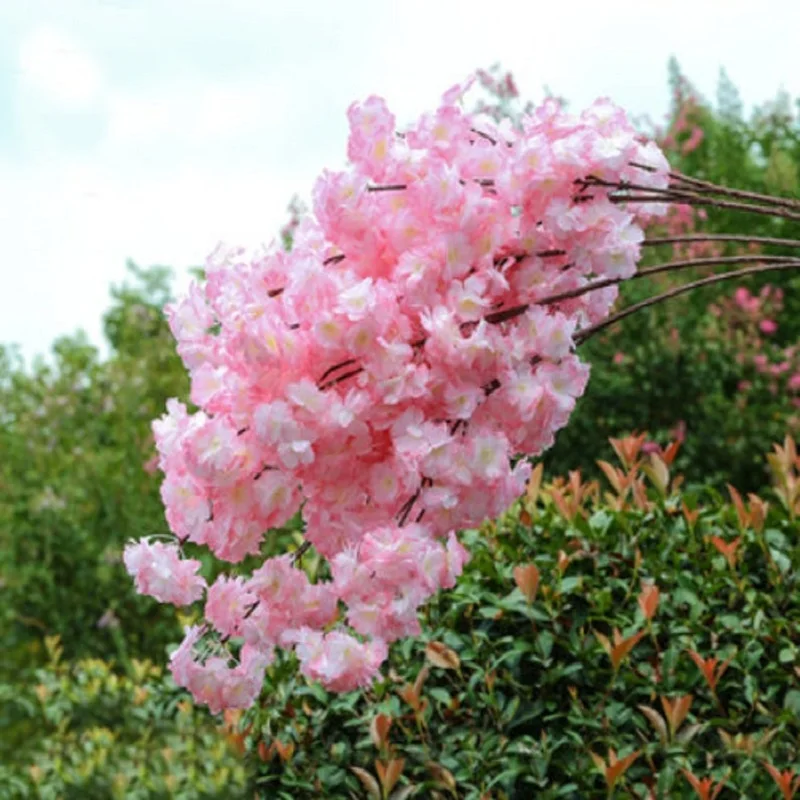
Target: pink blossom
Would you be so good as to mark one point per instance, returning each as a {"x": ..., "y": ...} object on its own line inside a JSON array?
[
  {"x": 339, "y": 661},
  {"x": 384, "y": 377},
  {"x": 768, "y": 326},
  {"x": 160, "y": 572}
]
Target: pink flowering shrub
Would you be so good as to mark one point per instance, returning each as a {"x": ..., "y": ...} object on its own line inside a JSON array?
[
  {"x": 747, "y": 322},
  {"x": 383, "y": 376}
]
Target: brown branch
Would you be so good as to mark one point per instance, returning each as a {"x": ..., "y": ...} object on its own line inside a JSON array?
[
  {"x": 714, "y": 188},
  {"x": 510, "y": 313},
  {"x": 689, "y": 199},
  {"x": 720, "y": 237},
  {"x": 340, "y": 378},
  {"x": 405, "y": 510},
  {"x": 484, "y": 135},
  {"x": 389, "y": 187},
  {"x": 300, "y": 552},
  {"x": 584, "y": 334},
  {"x": 333, "y": 369},
  {"x": 672, "y": 265}
]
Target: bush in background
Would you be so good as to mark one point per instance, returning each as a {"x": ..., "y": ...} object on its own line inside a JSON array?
[{"x": 93, "y": 734}]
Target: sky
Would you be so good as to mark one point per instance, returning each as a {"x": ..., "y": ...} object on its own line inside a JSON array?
[{"x": 151, "y": 130}]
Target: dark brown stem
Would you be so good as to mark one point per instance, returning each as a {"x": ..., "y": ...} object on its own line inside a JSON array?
[
  {"x": 692, "y": 187},
  {"x": 300, "y": 552},
  {"x": 333, "y": 369},
  {"x": 483, "y": 135},
  {"x": 668, "y": 267},
  {"x": 341, "y": 378},
  {"x": 584, "y": 334},
  {"x": 405, "y": 510},
  {"x": 388, "y": 187},
  {"x": 690, "y": 199},
  {"x": 720, "y": 237},
  {"x": 510, "y": 313},
  {"x": 740, "y": 193}
]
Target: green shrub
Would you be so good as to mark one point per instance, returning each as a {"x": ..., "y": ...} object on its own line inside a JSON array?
[
  {"x": 505, "y": 698},
  {"x": 93, "y": 734},
  {"x": 75, "y": 435}
]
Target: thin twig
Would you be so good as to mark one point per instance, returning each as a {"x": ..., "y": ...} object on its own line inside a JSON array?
[
  {"x": 584, "y": 334},
  {"x": 300, "y": 552},
  {"x": 720, "y": 237},
  {"x": 340, "y": 378},
  {"x": 670, "y": 266},
  {"x": 333, "y": 369},
  {"x": 515, "y": 311},
  {"x": 741, "y": 193}
]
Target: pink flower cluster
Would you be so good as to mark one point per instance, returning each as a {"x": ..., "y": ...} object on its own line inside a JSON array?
[
  {"x": 382, "y": 376},
  {"x": 160, "y": 572},
  {"x": 214, "y": 682}
]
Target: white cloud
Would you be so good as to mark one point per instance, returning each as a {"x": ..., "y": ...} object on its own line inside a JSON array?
[
  {"x": 153, "y": 129},
  {"x": 70, "y": 230},
  {"x": 54, "y": 65},
  {"x": 193, "y": 112}
]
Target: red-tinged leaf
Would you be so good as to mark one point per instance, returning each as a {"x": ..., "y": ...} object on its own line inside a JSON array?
[
  {"x": 394, "y": 769},
  {"x": 527, "y": 579},
  {"x": 420, "y": 681},
  {"x": 648, "y": 600},
  {"x": 627, "y": 449},
  {"x": 622, "y": 648},
  {"x": 676, "y": 711},
  {"x": 640, "y": 495},
  {"x": 440, "y": 655},
  {"x": 619, "y": 768},
  {"x": 598, "y": 762},
  {"x": 689, "y": 515},
  {"x": 379, "y": 729},
  {"x": 658, "y": 472},
  {"x": 604, "y": 642},
  {"x": 672, "y": 450},
  {"x": 705, "y": 788},
  {"x": 741, "y": 512},
  {"x": 758, "y": 512},
  {"x": 441, "y": 775},
  {"x": 534, "y": 485},
  {"x": 408, "y": 694},
  {"x": 368, "y": 782},
  {"x": 657, "y": 721},
  {"x": 727, "y": 549},
  {"x": 561, "y": 504},
  {"x": 787, "y": 781},
  {"x": 285, "y": 751},
  {"x": 615, "y": 476}
]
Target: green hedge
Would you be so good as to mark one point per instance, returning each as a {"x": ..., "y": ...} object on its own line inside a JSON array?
[
  {"x": 88, "y": 732},
  {"x": 513, "y": 697}
]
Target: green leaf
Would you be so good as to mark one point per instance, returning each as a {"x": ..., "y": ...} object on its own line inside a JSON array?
[{"x": 792, "y": 701}]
